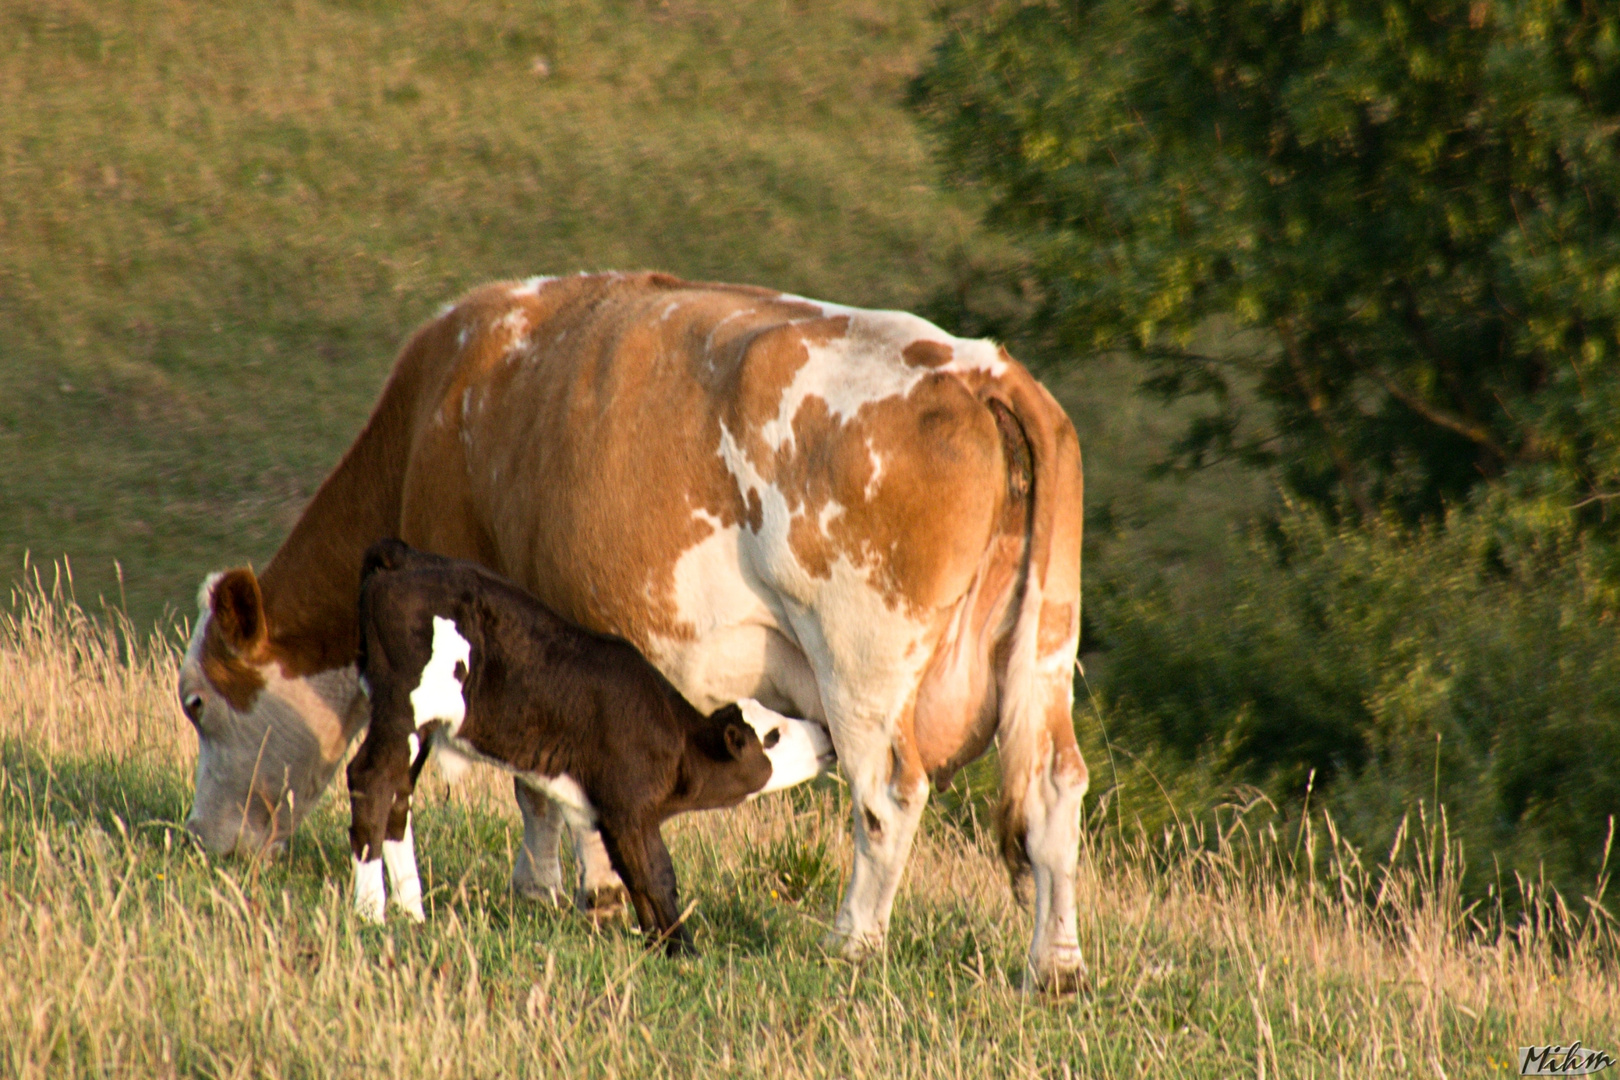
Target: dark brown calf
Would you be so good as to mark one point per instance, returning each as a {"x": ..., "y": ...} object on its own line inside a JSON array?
[{"x": 451, "y": 653}]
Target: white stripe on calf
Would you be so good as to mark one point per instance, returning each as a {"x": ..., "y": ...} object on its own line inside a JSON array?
[
  {"x": 438, "y": 695},
  {"x": 369, "y": 899},
  {"x": 399, "y": 856},
  {"x": 799, "y": 749}
]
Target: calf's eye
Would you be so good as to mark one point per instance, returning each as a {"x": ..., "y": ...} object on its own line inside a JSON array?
[
  {"x": 772, "y": 737},
  {"x": 193, "y": 705}
]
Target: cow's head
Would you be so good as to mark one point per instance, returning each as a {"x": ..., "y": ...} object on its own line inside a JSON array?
[{"x": 269, "y": 738}]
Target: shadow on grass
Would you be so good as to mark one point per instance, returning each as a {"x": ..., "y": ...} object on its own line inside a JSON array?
[{"x": 465, "y": 854}]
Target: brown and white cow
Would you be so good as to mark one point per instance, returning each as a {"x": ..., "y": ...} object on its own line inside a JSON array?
[{"x": 849, "y": 515}]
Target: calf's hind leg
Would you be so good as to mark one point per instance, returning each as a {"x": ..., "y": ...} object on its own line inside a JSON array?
[{"x": 399, "y": 858}]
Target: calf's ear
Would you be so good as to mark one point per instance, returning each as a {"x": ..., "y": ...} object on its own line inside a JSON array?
[
  {"x": 737, "y": 736},
  {"x": 238, "y": 611}
]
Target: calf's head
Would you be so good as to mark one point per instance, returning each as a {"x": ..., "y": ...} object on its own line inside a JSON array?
[
  {"x": 269, "y": 737},
  {"x": 799, "y": 750},
  {"x": 731, "y": 764}
]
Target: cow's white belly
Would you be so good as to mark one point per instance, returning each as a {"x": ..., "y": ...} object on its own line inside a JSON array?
[
  {"x": 741, "y": 642},
  {"x": 764, "y": 627}
]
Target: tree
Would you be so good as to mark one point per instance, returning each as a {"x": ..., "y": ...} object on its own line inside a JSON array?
[{"x": 1408, "y": 210}]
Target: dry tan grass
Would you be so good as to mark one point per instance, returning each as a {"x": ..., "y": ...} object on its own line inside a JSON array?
[{"x": 125, "y": 952}]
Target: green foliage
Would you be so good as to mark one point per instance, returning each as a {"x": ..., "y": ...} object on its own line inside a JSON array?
[
  {"x": 1413, "y": 208},
  {"x": 1478, "y": 663}
]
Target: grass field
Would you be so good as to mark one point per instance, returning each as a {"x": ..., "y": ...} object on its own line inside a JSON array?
[
  {"x": 218, "y": 222},
  {"x": 126, "y": 952}
]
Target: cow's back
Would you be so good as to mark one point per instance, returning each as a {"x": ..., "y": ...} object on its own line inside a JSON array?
[{"x": 760, "y": 492}]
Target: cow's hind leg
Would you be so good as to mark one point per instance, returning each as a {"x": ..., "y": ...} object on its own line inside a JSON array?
[
  {"x": 601, "y": 892},
  {"x": 889, "y": 791},
  {"x": 537, "y": 870},
  {"x": 1043, "y": 781}
]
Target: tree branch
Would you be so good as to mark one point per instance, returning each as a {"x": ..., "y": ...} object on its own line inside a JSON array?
[
  {"x": 1434, "y": 414},
  {"x": 1317, "y": 402}
]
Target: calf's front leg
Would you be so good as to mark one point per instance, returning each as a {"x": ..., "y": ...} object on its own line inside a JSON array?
[
  {"x": 379, "y": 808},
  {"x": 642, "y": 860}
]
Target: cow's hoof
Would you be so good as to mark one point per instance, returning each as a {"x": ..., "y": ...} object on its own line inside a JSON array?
[
  {"x": 1064, "y": 973},
  {"x": 547, "y": 895},
  {"x": 853, "y": 947},
  {"x": 609, "y": 903},
  {"x": 412, "y": 910}
]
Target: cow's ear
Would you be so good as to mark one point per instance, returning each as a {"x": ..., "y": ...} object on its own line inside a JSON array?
[{"x": 238, "y": 611}]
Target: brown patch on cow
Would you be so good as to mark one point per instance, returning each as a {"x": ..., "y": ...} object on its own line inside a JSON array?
[
  {"x": 929, "y": 354},
  {"x": 927, "y": 525},
  {"x": 1057, "y": 627},
  {"x": 810, "y": 545},
  {"x": 620, "y": 376},
  {"x": 959, "y": 697}
]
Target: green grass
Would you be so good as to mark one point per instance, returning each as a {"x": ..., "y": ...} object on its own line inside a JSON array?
[
  {"x": 218, "y": 223},
  {"x": 126, "y": 951}
]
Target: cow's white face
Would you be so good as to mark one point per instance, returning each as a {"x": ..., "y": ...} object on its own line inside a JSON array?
[{"x": 267, "y": 744}]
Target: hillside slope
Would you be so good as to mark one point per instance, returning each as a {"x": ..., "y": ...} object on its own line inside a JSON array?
[{"x": 218, "y": 222}]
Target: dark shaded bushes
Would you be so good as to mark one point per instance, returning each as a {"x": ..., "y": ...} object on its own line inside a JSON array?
[{"x": 1478, "y": 662}]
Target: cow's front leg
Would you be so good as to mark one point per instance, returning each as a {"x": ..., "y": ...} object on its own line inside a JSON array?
[
  {"x": 601, "y": 891},
  {"x": 889, "y": 791},
  {"x": 537, "y": 870}
]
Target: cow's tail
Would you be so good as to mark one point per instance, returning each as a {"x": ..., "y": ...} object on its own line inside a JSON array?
[{"x": 1035, "y": 727}]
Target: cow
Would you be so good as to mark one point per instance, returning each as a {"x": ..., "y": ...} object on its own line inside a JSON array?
[
  {"x": 462, "y": 663},
  {"x": 850, "y": 516}
]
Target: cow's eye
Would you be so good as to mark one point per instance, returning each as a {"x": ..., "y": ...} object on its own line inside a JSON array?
[
  {"x": 193, "y": 705},
  {"x": 772, "y": 737}
]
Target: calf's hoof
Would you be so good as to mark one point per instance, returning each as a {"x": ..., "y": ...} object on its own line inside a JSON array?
[
  {"x": 606, "y": 904},
  {"x": 678, "y": 945},
  {"x": 412, "y": 910}
]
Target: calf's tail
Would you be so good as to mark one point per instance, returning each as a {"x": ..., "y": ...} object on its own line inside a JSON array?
[{"x": 389, "y": 553}]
